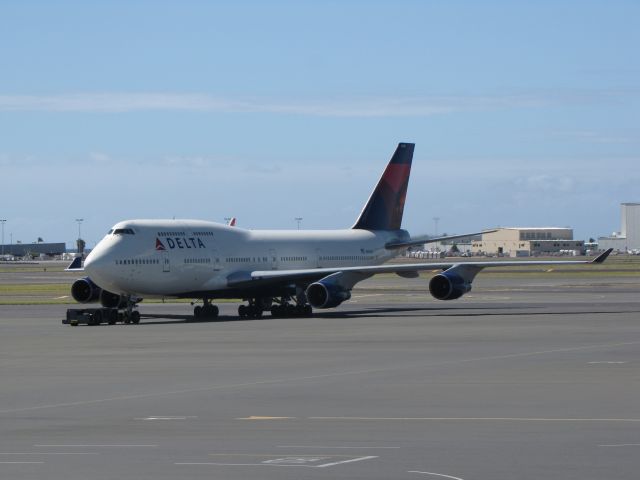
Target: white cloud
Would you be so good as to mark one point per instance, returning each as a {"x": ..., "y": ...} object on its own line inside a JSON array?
[{"x": 350, "y": 107}]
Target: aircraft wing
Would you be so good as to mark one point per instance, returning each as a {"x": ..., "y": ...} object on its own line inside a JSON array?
[{"x": 266, "y": 277}]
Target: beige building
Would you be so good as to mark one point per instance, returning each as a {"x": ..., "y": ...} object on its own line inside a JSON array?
[
  {"x": 517, "y": 241},
  {"x": 629, "y": 236}
]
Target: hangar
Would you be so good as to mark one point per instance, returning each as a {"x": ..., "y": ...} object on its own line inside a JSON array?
[
  {"x": 629, "y": 236},
  {"x": 524, "y": 242}
]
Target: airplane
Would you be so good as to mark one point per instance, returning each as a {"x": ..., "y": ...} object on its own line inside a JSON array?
[{"x": 286, "y": 272}]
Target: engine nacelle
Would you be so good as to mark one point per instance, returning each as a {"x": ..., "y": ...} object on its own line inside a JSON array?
[
  {"x": 84, "y": 290},
  {"x": 112, "y": 300},
  {"x": 326, "y": 295},
  {"x": 448, "y": 286}
]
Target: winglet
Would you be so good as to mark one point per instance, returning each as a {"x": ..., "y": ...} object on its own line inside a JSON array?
[
  {"x": 75, "y": 265},
  {"x": 603, "y": 256}
]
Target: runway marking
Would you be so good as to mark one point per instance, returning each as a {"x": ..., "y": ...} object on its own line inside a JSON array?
[
  {"x": 622, "y": 445},
  {"x": 346, "y": 461},
  {"x": 90, "y": 446},
  {"x": 50, "y": 453},
  {"x": 285, "y": 461},
  {"x": 436, "y": 474},
  {"x": 256, "y": 417},
  {"x": 606, "y": 363},
  {"x": 346, "y": 448},
  {"x": 316, "y": 377},
  {"x": 165, "y": 418},
  {"x": 476, "y": 419},
  {"x": 12, "y": 463},
  {"x": 271, "y": 455}
]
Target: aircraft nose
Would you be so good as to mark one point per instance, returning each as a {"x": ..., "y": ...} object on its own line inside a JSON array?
[{"x": 97, "y": 262}]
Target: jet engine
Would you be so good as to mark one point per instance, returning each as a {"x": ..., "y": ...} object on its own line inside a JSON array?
[
  {"x": 84, "y": 290},
  {"x": 326, "y": 295},
  {"x": 449, "y": 286}
]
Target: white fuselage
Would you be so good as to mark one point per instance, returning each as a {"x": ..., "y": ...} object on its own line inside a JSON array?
[{"x": 176, "y": 257}]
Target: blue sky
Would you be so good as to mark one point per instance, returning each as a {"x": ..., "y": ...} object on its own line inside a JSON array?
[{"x": 523, "y": 113}]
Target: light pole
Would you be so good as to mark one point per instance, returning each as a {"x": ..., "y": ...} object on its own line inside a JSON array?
[
  {"x": 79, "y": 220},
  {"x": 298, "y": 220},
  {"x": 3, "y": 221}
]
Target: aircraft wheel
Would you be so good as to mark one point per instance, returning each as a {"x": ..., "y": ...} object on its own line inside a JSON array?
[
  {"x": 135, "y": 317},
  {"x": 113, "y": 317},
  {"x": 197, "y": 312},
  {"x": 308, "y": 311},
  {"x": 242, "y": 311}
]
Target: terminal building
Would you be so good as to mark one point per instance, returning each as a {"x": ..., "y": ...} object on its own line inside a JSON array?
[
  {"x": 629, "y": 236},
  {"x": 33, "y": 249},
  {"x": 524, "y": 242}
]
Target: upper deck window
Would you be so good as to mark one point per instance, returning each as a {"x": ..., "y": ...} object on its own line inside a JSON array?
[{"x": 123, "y": 231}]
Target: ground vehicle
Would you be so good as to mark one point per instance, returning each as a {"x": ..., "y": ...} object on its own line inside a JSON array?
[{"x": 96, "y": 316}]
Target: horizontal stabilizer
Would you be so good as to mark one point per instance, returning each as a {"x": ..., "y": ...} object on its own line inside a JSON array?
[{"x": 425, "y": 239}]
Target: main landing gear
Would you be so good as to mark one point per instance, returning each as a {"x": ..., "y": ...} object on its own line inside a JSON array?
[{"x": 206, "y": 311}]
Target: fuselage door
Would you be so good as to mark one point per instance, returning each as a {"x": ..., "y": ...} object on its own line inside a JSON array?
[
  {"x": 318, "y": 258},
  {"x": 215, "y": 260},
  {"x": 166, "y": 264},
  {"x": 274, "y": 259}
]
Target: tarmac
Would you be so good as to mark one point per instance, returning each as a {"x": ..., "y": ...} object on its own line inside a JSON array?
[{"x": 531, "y": 380}]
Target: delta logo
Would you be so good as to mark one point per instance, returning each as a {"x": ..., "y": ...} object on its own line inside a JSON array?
[{"x": 179, "y": 242}]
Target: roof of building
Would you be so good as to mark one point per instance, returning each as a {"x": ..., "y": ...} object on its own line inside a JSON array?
[{"x": 533, "y": 228}]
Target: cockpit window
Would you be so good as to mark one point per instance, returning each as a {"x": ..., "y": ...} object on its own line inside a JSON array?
[
  {"x": 110, "y": 232},
  {"x": 123, "y": 231}
]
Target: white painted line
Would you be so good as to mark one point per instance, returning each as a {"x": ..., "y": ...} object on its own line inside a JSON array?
[
  {"x": 622, "y": 445},
  {"x": 276, "y": 381},
  {"x": 606, "y": 363},
  {"x": 50, "y": 453},
  {"x": 273, "y": 464},
  {"x": 479, "y": 419},
  {"x": 240, "y": 464},
  {"x": 90, "y": 446},
  {"x": 164, "y": 418},
  {"x": 13, "y": 463},
  {"x": 258, "y": 417},
  {"x": 436, "y": 474},
  {"x": 345, "y": 461},
  {"x": 320, "y": 446}
]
